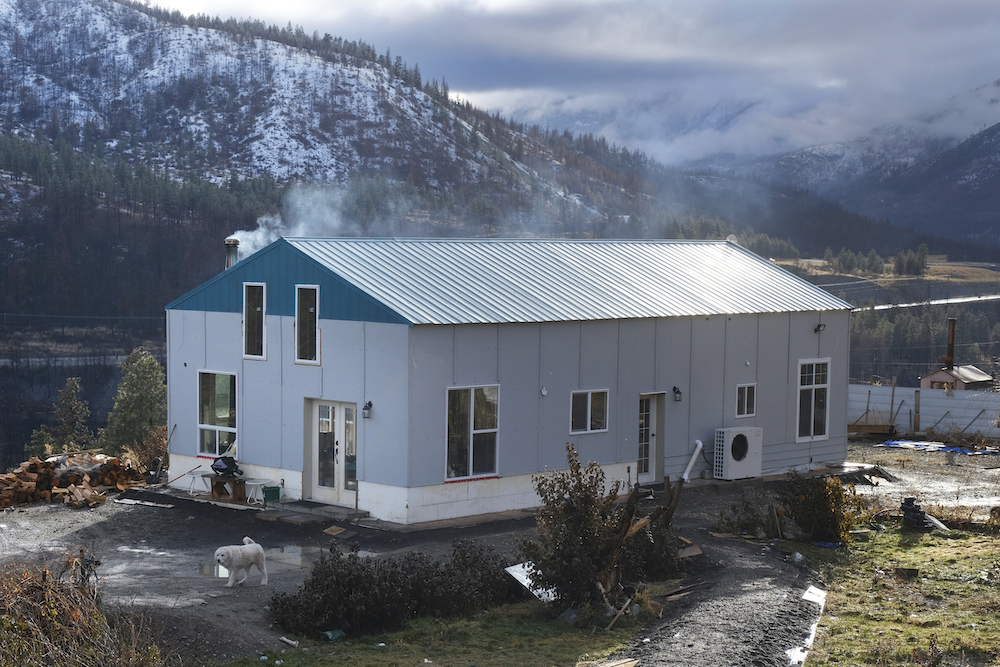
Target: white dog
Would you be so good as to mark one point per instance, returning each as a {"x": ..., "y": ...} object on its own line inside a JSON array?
[{"x": 240, "y": 558}]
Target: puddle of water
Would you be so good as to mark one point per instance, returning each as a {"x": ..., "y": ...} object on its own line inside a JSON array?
[
  {"x": 146, "y": 551},
  {"x": 213, "y": 569},
  {"x": 291, "y": 555}
]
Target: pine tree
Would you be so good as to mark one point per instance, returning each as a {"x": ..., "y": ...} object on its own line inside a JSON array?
[
  {"x": 140, "y": 406},
  {"x": 70, "y": 432}
]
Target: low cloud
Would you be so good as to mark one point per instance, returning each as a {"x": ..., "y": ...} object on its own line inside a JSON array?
[{"x": 644, "y": 73}]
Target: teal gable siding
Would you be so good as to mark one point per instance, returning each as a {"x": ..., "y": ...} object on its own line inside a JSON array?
[{"x": 282, "y": 267}]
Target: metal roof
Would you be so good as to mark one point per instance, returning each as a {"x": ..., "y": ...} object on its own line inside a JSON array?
[
  {"x": 967, "y": 374},
  {"x": 438, "y": 281}
]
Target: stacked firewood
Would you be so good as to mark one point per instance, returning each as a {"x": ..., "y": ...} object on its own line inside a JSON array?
[{"x": 79, "y": 480}]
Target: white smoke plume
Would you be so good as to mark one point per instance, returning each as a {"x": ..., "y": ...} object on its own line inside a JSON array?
[{"x": 309, "y": 210}]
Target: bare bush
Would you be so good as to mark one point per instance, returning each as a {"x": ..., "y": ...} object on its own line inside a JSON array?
[{"x": 54, "y": 617}]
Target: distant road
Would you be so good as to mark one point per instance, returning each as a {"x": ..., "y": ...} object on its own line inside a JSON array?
[
  {"x": 933, "y": 302},
  {"x": 41, "y": 362}
]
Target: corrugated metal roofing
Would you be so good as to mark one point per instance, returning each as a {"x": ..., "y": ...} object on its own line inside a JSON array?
[
  {"x": 437, "y": 281},
  {"x": 967, "y": 374}
]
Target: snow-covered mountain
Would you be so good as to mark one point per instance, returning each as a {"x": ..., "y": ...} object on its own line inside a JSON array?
[
  {"x": 197, "y": 98},
  {"x": 955, "y": 192},
  {"x": 917, "y": 173}
]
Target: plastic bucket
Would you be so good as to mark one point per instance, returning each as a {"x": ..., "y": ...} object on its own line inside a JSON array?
[{"x": 272, "y": 494}]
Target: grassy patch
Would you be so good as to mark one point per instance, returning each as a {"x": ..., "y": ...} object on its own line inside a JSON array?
[
  {"x": 522, "y": 634},
  {"x": 907, "y": 598}
]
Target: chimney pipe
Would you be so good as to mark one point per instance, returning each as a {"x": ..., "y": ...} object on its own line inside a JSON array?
[
  {"x": 232, "y": 251},
  {"x": 949, "y": 361}
]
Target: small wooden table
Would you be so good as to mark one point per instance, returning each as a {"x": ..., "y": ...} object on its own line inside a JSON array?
[{"x": 236, "y": 491}]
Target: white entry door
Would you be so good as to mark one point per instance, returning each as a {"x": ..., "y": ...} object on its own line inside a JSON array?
[
  {"x": 334, "y": 468},
  {"x": 646, "y": 460}
]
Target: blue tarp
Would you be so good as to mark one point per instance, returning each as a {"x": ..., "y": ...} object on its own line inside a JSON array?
[{"x": 937, "y": 447}]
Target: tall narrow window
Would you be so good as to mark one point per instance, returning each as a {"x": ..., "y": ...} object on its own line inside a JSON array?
[
  {"x": 216, "y": 414},
  {"x": 253, "y": 320},
  {"x": 472, "y": 431},
  {"x": 746, "y": 400},
  {"x": 306, "y": 323},
  {"x": 588, "y": 411},
  {"x": 813, "y": 405}
]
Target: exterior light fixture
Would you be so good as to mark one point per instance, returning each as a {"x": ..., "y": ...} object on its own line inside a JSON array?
[
  {"x": 819, "y": 327},
  {"x": 366, "y": 411},
  {"x": 544, "y": 391},
  {"x": 677, "y": 394}
]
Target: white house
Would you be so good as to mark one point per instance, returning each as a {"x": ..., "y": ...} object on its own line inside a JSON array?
[{"x": 429, "y": 379}]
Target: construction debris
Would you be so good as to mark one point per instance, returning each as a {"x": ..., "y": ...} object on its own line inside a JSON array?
[
  {"x": 916, "y": 519},
  {"x": 79, "y": 480}
]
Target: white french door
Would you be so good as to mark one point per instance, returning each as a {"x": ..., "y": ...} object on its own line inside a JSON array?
[
  {"x": 334, "y": 452},
  {"x": 645, "y": 465}
]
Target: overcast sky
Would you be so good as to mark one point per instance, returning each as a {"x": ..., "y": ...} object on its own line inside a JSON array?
[{"x": 682, "y": 79}]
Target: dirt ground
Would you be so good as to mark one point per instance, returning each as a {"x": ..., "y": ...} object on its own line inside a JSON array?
[{"x": 747, "y": 610}]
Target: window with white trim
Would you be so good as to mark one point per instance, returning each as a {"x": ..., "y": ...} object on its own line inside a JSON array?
[
  {"x": 746, "y": 400},
  {"x": 307, "y": 323},
  {"x": 216, "y": 413},
  {"x": 472, "y": 431},
  {"x": 254, "y": 341},
  {"x": 814, "y": 408},
  {"x": 588, "y": 411}
]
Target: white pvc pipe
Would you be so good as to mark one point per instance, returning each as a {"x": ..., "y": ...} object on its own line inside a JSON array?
[{"x": 694, "y": 458}]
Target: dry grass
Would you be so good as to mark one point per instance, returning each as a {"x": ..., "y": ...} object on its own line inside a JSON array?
[
  {"x": 54, "y": 617},
  {"x": 910, "y": 598},
  {"x": 958, "y": 273},
  {"x": 154, "y": 446}
]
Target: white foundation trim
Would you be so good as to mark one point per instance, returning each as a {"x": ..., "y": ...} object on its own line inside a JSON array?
[
  {"x": 457, "y": 499},
  {"x": 395, "y": 503}
]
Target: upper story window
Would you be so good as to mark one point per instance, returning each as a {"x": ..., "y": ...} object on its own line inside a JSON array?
[
  {"x": 746, "y": 400},
  {"x": 472, "y": 431},
  {"x": 814, "y": 384},
  {"x": 216, "y": 414},
  {"x": 307, "y": 323},
  {"x": 254, "y": 308},
  {"x": 588, "y": 411}
]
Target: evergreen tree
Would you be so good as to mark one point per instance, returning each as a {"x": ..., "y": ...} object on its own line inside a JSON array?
[
  {"x": 70, "y": 432},
  {"x": 140, "y": 406}
]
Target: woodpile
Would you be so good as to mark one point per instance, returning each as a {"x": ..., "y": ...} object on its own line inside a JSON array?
[{"x": 79, "y": 480}]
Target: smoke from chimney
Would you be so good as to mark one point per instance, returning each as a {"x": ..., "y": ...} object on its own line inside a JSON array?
[{"x": 316, "y": 210}]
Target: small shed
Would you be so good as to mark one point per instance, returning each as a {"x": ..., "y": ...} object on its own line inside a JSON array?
[
  {"x": 427, "y": 379},
  {"x": 957, "y": 378}
]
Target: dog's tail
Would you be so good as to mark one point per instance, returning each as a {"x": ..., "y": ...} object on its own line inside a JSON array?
[{"x": 247, "y": 540}]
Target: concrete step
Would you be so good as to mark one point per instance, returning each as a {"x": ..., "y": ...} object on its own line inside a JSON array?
[{"x": 321, "y": 511}]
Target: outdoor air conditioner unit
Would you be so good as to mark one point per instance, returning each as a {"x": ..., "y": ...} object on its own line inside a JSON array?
[{"x": 738, "y": 452}]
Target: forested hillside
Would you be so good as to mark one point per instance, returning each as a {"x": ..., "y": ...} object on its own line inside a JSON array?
[{"x": 134, "y": 140}]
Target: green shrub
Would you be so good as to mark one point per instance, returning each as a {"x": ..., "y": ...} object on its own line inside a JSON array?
[
  {"x": 650, "y": 555},
  {"x": 365, "y": 595},
  {"x": 584, "y": 544},
  {"x": 751, "y": 514},
  {"x": 823, "y": 507}
]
